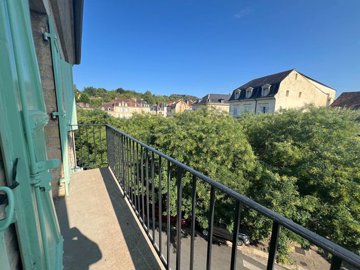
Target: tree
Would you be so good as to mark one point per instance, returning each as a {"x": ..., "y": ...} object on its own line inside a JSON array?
[{"x": 84, "y": 97}]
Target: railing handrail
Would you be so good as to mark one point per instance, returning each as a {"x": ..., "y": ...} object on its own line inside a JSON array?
[{"x": 316, "y": 239}]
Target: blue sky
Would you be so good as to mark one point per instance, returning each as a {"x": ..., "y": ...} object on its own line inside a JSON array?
[{"x": 198, "y": 47}]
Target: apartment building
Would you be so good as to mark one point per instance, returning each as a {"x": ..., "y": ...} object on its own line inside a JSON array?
[{"x": 284, "y": 90}]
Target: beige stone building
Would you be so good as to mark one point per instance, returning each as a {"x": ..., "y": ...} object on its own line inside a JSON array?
[
  {"x": 284, "y": 90},
  {"x": 216, "y": 101},
  {"x": 120, "y": 108},
  {"x": 159, "y": 109},
  {"x": 178, "y": 107}
]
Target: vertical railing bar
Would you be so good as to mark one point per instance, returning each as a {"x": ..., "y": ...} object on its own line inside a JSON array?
[
  {"x": 119, "y": 159},
  {"x": 127, "y": 169},
  {"x": 123, "y": 163},
  {"x": 168, "y": 216},
  {"x": 336, "y": 263},
  {"x": 87, "y": 142},
  {"x": 160, "y": 206},
  {"x": 193, "y": 218},
  {"x": 147, "y": 187},
  {"x": 81, "y": 149},
  {"x": 142, "y": 184},
  {"x": 210, "y": 223},
  {"x": 273, "y": 245},
  {"x": 100, "y": 146},
  {"x": 134, "y": 175},
  {"x": 179, "y": 217},
  {"x": 93, "y": 134},
  {"x": 128, "y": 180},
  {"x": 235, "y": 236},
  {"x": 153, "y": 194},
  {"x": 138, "y": 178}
]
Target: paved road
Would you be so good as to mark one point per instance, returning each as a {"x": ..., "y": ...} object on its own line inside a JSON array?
[{"x": 221, "y": 255}]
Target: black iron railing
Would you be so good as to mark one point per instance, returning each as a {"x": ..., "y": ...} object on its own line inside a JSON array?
[
  {"x": 151, "y": 179},
  {"x": 90, "y": 146}
]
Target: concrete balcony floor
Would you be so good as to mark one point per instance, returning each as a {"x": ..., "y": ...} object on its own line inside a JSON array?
[{"x": 99, "y": 229}]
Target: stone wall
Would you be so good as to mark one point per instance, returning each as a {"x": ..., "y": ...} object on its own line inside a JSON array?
[
  {"x": 297, "y": 91},
  {"x": 43, "y": 51}
]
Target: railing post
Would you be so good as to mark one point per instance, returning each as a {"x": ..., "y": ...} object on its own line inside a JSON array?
[
  {"x": 273, "y": 245},
  {"x": 336, "y": 263},
  {"x": 211, "y": 227},
  {"x": 178, "y": 213},
  {"x": 193, "y": 217},
  {"x": 235, "y": 236}
]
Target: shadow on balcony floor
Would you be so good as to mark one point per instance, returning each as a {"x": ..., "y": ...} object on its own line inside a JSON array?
[{"x": 98, "y": 227}]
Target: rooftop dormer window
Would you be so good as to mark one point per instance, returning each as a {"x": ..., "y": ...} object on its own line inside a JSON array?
[
  {"x": 237, "y": 93},
  {"x": 249, "y": 92},
  {"x": 265, "y": 90}
]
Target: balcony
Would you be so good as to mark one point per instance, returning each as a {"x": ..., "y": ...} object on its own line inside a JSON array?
[
  {"x": 126, "y": 212},
  {"x": 99, "y": 229}
]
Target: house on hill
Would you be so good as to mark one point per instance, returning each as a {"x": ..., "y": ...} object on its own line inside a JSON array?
[
  {"x": 216, "y": 101},
  {"x": 349, "y": 100},
  {"x": 178, "y": 107},
  {"x": 284, "y": 90},
  {"x": 125, "y": 108}
]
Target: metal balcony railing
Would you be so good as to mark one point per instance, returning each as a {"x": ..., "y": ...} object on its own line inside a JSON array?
[{"x": 146, "y": 174}]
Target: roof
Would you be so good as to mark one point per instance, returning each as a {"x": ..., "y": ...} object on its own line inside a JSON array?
[
  {"x": 213, "y": 98},
  {"x": 349, "y": 100},
  {"x": 274, "y": 80}
]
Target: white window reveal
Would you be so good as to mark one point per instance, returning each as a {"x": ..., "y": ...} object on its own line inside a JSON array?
[
  {"x": 237, "y": 93},
  {"x": 249, "y": 92},
  {"x": 265, "y": 90}
]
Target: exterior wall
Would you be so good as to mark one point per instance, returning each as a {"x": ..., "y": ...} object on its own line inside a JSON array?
[
  {"x": 10, "y": 238},
  {"x": 251, "y": 106},
  {"x": 327, "y": 90},
  {"x": 225, "y": 107},
  {"x": 39, "y": 25},
  {"x": 127, "y": 111},
  {"x": 295, "y": 83},
  {"x": 180, "y": 106}
]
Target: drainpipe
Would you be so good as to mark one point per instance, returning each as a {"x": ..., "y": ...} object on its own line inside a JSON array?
[{"x": 255, "y": 105}]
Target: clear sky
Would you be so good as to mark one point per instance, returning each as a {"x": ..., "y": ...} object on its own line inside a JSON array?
[{"x": 213, "y": 46}]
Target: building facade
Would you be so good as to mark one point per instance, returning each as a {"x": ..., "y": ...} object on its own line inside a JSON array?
[
  {"x": 285, "y": 90},
  {"x": 216, "y": 101},
  {"x": 125, "y": 108},
  {"x": 178, "y": 107}
]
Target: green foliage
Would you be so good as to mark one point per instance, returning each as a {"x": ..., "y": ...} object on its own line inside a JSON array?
[
  {"x": 97, "y": 96},
  {"x": 301, "y": 164}
]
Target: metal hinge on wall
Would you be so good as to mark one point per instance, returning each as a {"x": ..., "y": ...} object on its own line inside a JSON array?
[
  {"x": 42, "y": 178},
  {"x": 54, "y": 115}
]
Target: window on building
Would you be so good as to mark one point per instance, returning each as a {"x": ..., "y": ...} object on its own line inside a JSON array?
[
  {"x": 287, "y": 93},
  {"x": 235, "y": 112},
  {"x": 237, "y": 93},
  {"x": 300, "y": 94},
  {"x": 296, "y": 76},
  {"x": 264, "y": 109},
  {"x": 265, "y": 90},
  {"x": 249, "y": 92}
]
